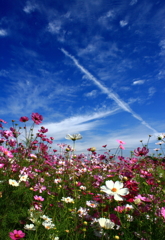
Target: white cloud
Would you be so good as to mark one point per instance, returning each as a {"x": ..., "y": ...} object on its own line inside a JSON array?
[
  {"x": 54, "y": 27},
  {"x": 3, "y": 33},
  {"x": 123, "y": 105},
  {"x": 138, "y": 82},
  {"x": 123, "y": 23},
  {"x": 91, "y": 94},
  {"x": 77, "y": 124},
  {"x": 133, "y": 2},
  {"x": 29, "y": 7},
  {"x": 162, "y": 45},
  {"x": 131, "y": 135},
  {"x": 151, "y": 91}
]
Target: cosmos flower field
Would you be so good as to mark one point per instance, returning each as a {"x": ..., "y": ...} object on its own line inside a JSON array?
[{"x": 58, "y": 195}]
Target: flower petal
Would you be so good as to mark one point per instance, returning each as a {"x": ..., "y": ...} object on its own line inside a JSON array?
[
  {"x": 118, "y": 185},
  {"x": 123, "y": 191},
  {"x": 109, "y": 184},
  {"x": 105, "y": 189},
  {"x": 118, "y": 198}
]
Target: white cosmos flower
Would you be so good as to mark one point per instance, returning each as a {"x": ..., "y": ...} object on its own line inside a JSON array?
[
  {"x": 73, "y": 137},
  {"x": 30, "y": 227},
  {"x": 115, "y": 189},
  {"x": 48, "y": 225},
  {"x": 67, "y": 199},
  {"x": 23, "y": 178},
  {"x": 106, "y": 223},
  {"x": 13, "y": 183}
]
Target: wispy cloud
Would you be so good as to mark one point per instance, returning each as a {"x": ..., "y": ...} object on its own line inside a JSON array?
[
  {"x": 123, "y": 23},
  {"x": 3, "y": 33},
  {"x": 162, "y": 45},
  {"x": 29, "y": 7},
  {"x": 93, "y": 93},
  {"x": 54, "y": 27},
  {"x": 138, "y": 82},
  {"x": 133, "y": 2},
  {"x": 151, "y": 91},
  {"x": 123, "y": 105},
  {"x": 78, "y": 123}
]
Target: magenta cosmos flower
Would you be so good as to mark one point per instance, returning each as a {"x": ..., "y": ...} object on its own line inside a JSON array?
[
  {"x": 37, "y": 118},
  {"x": 15, "y": 235},
  {"x": 23, "y": 119},
  {"x": 141, "y": 151}
]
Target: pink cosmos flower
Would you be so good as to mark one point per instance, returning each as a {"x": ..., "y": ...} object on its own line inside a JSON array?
[
  {"x": 39, "y": 187},
  {"x": 162, "y": 211},
  {"x": 2, "y": 165},
  {"x": 43, "y": 130},
  {"x": 6, "y": 152},
  {"x": 15, "y": 235},
  {"x": 120, "y": 141},
  {"x": 39, "y": 198},
  {"x": 121, "y": 147},
  {"x": 1, "y": 120},
  {"x": 141, "y": 151},
  {"x": 12, "y": 142},
  {"x": 7, "y": 134},
  {"x": 37, "y": 118},
  {"x": 23, "y": 119}
]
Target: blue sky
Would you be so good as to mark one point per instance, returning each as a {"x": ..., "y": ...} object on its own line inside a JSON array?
[{"x": 94, "y": 67}]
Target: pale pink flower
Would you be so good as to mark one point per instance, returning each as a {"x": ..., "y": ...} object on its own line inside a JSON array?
[
  {"x": 1, "y": 120},
  {"x": 120, "y": 141},
  {"x": 39, "y": 198},
  {"x": 162, "y": 211},
  {"x": 6, "y": 152},
  {"x": 2, "y": 165},
  {"x": 39, "y": 187},
  {"x": 121, "y": 147}
]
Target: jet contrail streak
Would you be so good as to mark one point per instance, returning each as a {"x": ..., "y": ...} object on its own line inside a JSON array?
[{"x": 123, "y": 105}]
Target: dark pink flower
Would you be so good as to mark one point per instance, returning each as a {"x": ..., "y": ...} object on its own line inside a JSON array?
[
  {"x": 104, "y": 146},
  {"x": 7, "y": 134},
  {"x": 23, "y": 119},
  {"x": 43, "y": 130},
  {"x": 37, "y": 118},
  {"x": 141, "y": 151},
  {"x": 15, "y": 235}
]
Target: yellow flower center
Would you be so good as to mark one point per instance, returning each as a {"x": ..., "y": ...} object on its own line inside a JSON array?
[{"x": 114, "y": 190}]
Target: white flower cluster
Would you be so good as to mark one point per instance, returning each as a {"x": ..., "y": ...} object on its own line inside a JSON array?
[
  {"x": 35, "y": 217},
  {"x": 67, "y": 199},
  {"x": 13, "y": 183}
]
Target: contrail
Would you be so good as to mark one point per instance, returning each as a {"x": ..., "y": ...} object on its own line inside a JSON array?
[{"x": 123, "y": 105}]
